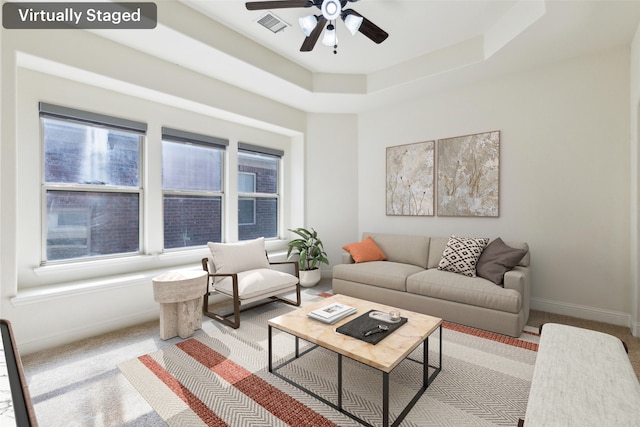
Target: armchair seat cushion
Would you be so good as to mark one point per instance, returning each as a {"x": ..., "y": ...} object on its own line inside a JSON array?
[{"x": 258, "y": 282}]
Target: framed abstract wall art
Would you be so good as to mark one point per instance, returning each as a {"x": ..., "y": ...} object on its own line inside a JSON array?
[
  {"x": 410, "y": 179},
  {"x": 468, "y": 175}
]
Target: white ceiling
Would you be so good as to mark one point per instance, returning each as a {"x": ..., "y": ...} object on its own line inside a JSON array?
[
  {"x": 432, "y": 44},
  {"x": 415, "y": 27}
]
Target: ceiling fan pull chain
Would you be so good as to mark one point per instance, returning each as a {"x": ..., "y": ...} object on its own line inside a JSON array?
[{"x": 335, "y": 46}]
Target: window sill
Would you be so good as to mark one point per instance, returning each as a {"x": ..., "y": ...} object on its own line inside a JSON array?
[
  {"x": 50, "y": 270},
  {"x": 73, "y": 279},
  {"x": 48, "y": 293}
]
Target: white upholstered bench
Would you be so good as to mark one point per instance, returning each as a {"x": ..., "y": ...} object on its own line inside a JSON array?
[{"x": 582, "y": 378}]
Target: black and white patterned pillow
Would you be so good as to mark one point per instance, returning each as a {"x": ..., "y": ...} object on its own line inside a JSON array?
[{"x": 461, "y": 255}]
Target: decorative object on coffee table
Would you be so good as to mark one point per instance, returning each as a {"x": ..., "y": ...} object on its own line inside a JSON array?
[
  {"x": 331, "y": 313},
  {"x": 310, "y": 253},
  {"x": 371, "y": 327}
]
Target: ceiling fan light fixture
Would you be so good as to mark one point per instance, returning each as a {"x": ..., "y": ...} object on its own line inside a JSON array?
[
  {"x": 331, "y": 9},
  {"x": 353, "y": 22},
  {"x": 330, "y": 38},
  {"x": 307, "y": 24}
]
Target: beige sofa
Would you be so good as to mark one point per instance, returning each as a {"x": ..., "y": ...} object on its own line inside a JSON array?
[{"x": 410, "y": 279}]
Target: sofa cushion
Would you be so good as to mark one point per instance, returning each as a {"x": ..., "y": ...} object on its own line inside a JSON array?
[
  {"x": 496, "y": 259},
  {"x": 461, "y": 255},
  {"x": 365, "y": 251},
  {"x": 467, "y": 290},
  {"x": 402, "y": 248},
  {"x": 384, "y": 274}
]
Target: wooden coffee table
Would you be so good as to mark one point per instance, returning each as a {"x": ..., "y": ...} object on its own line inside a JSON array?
[{"x": 384, "y": 356}]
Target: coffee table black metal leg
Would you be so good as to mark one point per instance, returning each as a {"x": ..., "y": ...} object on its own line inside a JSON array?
[
  {"x": 340, "y": 381},
  {"x": 440, "y": 362},
  {"x": 438, "y": 368},
  {"x": 425, "y": 363},
  {"x": 270, "y": 351},
  {"x": 385, "y": 399}
]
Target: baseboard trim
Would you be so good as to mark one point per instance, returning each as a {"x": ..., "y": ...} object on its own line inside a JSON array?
[
  {"x": 581, "y": 311},
  {"x": 635, "y": 329},
  {"x": 86, "y": 331}
]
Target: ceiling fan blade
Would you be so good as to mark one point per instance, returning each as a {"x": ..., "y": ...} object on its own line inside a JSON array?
[
  {"x": 277, "y": 4},
  {"x": 369, "y": 29},
  {"x": 310, "y": 42}
]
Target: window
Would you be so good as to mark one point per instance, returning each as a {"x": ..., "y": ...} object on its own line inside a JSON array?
[
  {"x": 192, "y": 188},
  {"x": 246, "y": 211},
  {"x": 91, "y": 184},
  {"x": 258, "y": 196},
  {"x": 246, "y": 182},
  {"x": 246, "y": 206}
]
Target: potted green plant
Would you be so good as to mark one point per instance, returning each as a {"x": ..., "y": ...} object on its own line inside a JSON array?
[{"x": 310, "y": 255}]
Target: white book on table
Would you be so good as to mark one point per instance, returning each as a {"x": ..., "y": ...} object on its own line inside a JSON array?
[{"x": 332, "y": 312}]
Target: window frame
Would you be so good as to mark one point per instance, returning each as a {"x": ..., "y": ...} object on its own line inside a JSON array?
[
  {"x": 255, "y": 179},
  {"x": 190, "y": 138},
  {"x": 277, "y": 196},
  {"x": 86, "y": 118}
]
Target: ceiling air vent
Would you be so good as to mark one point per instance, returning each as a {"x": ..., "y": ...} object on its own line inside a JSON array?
[{"x": 272, "y": 22}]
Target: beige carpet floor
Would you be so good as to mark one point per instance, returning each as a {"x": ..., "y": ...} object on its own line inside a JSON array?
[{"x": 80, "y": 385}]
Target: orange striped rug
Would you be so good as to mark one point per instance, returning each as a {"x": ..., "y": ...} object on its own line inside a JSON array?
[{"x": 219, "y": 378}]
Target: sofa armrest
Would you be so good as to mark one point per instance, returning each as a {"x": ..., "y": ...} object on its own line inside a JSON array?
[
  {"x": 519, "y": 279},
  {"x": 516, "y": 278},
  {"x": 347, "y": 258}
]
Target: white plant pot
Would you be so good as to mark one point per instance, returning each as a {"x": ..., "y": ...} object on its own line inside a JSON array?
[{"x": 309, "y": 278}]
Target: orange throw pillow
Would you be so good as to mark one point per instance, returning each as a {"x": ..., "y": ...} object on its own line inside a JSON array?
[{"x": 365, "y": 251}]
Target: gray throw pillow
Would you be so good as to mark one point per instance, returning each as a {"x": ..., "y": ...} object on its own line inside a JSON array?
[{"x": 496, "y": 259}]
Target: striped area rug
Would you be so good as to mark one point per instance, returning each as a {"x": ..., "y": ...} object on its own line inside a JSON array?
[{"x": 219, "y": 377}]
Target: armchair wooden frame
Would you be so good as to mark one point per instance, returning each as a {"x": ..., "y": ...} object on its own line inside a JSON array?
[{"x": 237, "y": 302}]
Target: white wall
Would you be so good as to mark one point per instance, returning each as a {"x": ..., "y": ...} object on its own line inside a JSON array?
[
  {"x": 564, "y": 175},
  {"x": 51, "y": 305},
  {"x": 332, "y": 181},
  {"x": 635, "y": 183}
]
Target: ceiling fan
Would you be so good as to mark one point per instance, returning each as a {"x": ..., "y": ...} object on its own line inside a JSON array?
[{"x": 331, "y": 10}]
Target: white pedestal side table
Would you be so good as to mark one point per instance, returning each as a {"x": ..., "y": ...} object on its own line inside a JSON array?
[{"x": 180, "y": 296}]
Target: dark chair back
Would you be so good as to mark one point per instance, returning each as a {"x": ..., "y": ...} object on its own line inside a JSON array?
[{"x": 23, "y": 409}]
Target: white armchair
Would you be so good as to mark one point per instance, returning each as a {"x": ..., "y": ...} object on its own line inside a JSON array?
[{"x": 242, "y": 271}]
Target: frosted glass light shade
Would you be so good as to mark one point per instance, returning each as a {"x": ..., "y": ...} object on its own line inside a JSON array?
[
  {"x": 307, "y": 24},
  {"x": 330, "y": 38},
  {"x": 353, "y": 22}
]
